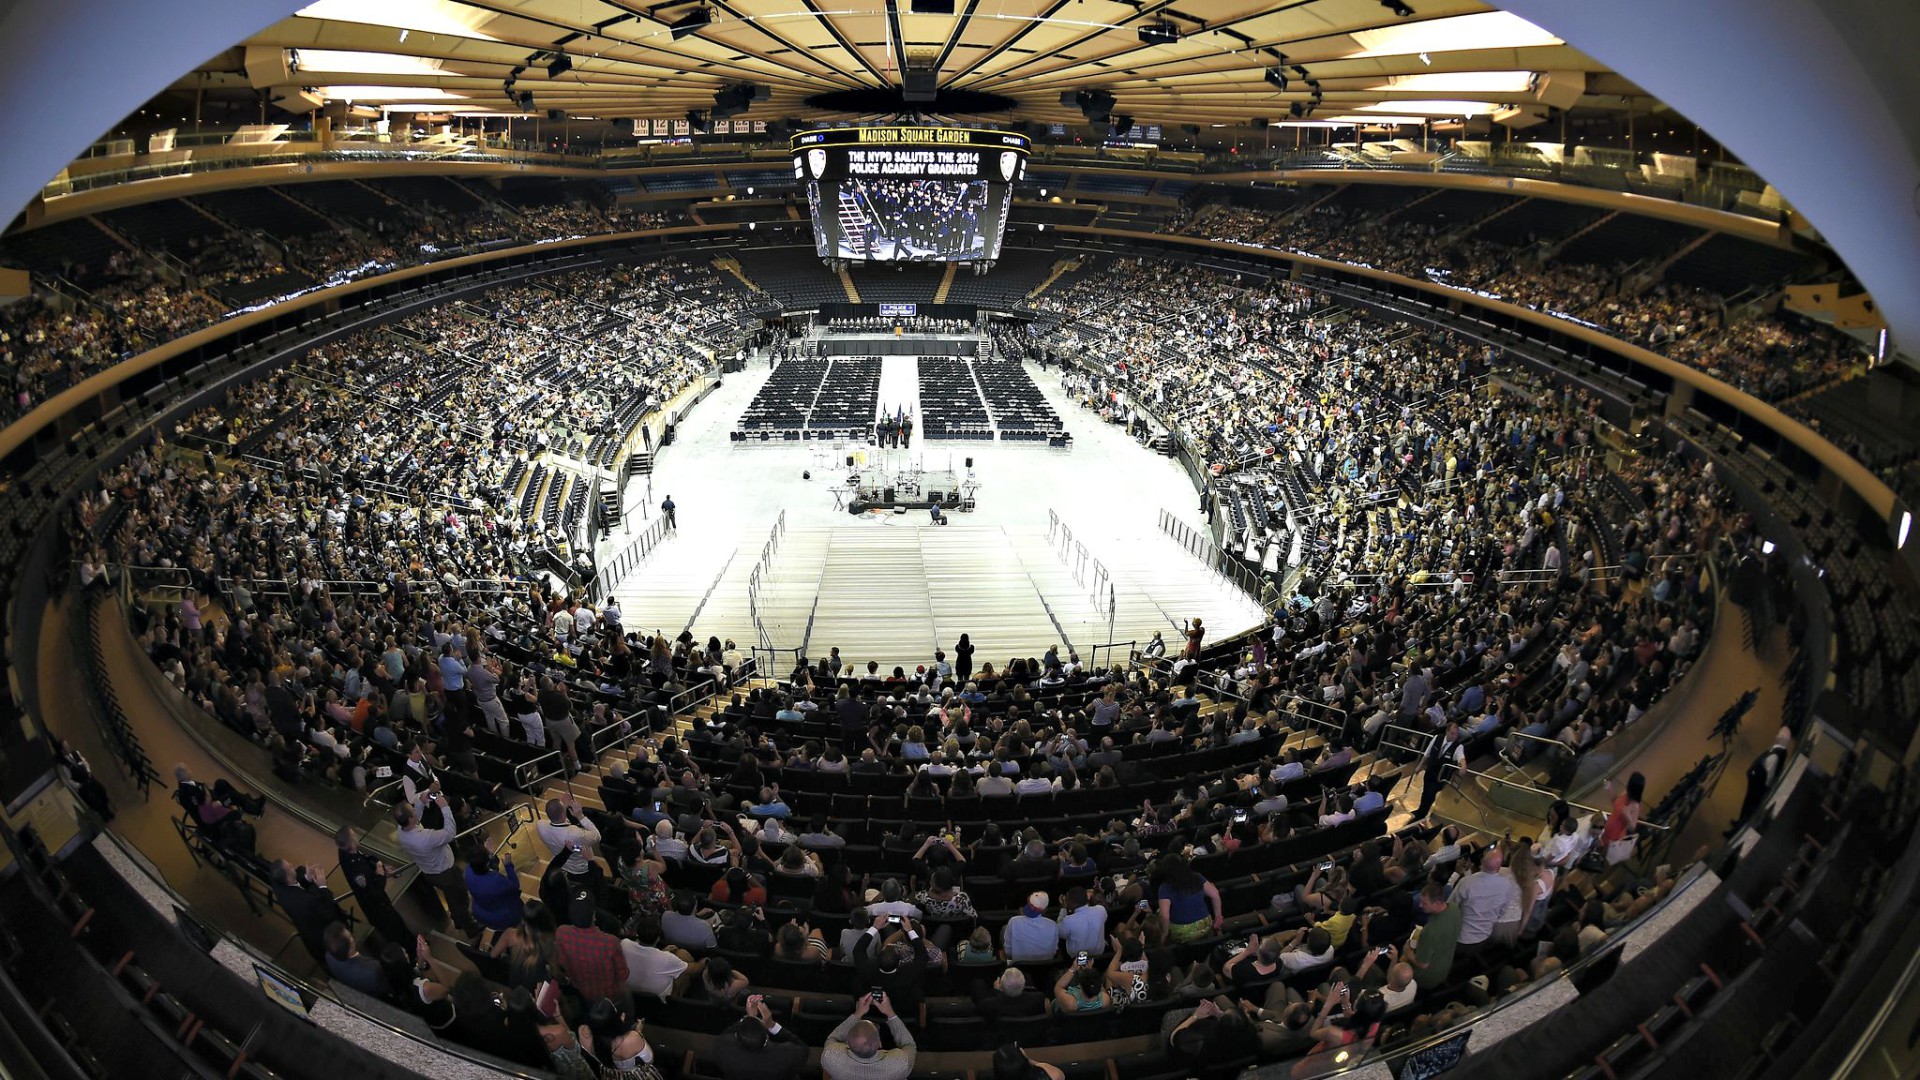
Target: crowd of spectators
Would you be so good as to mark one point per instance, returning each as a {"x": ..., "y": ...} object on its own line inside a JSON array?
[
  {"x": 717, "y": 862},
  {"x": 1772, "y": 356},
  {"x": 1196, "y": 849},
  {"x": 1385, "y": 467},
  {"x": 129, "y": 303}
]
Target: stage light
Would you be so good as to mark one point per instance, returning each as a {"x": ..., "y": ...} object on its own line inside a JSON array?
[
  {"x": 691, "y": 23},
  {"x": 1278, "y": 78},
  {"x": 1398, "y": 7},
  {"x": 560, "y": 66},
  {"x": 1160, "y": 33}
]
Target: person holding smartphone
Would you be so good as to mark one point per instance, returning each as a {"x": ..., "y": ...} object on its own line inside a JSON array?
[
  {"x": 1081, "y": 988},
  {"x": 854, "y": 1051},
  {"x": 891, "y": 955}
]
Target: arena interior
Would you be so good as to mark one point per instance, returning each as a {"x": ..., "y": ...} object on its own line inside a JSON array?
[{"x": 946, "y": 540}]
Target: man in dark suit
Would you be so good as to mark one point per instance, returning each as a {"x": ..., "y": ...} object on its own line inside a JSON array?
[
  {"x": 302, "y": 894},
  {"x": 757, "y": 1047}
]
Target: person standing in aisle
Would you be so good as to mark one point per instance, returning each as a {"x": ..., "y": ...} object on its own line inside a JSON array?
[
  {"x": 367, "y": 877},
  {"x": 668, "y": 508},
  {"x": 432, "y": 851},
  {"x": 962, "y": 661}
]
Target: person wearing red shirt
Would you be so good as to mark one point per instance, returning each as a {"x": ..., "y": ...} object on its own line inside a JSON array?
[{"x": 590, "y": 958}]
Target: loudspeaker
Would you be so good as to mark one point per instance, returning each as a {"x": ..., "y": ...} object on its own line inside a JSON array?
[
  {"x": 1560, "y": 89},
  {"x": 934, "y": 496},
  {"x": 849, "y": 461},
  {"x": 969, "y": 463},
  {"x": 266, "y": 66}
]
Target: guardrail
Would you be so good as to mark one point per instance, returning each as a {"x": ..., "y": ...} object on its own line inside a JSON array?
[
  {"x": 767, "y": 551},
  {"x": 162, "y": 584},
  {"x": 1249, "y": 580},
  {"x": 629, "y": 560},
  {"x": 1112, "y": 648}
]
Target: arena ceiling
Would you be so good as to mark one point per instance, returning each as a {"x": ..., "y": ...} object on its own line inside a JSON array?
[{"x": 1219, "y": 62}]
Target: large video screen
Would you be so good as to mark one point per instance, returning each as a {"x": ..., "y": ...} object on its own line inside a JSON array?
[
  {"x": 909, "y": 194},
  {"x": 907, "y": 220}
]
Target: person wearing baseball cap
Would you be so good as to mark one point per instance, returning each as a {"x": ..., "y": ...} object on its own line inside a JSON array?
[{"x": 1030, "y": 935}]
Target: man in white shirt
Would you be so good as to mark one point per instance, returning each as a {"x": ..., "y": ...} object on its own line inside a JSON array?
[
  {"x": 666, "y": 845},
  {"x": 570, "y": 836},
  {"x": 1038, "y": 783},
  {"x": 651, "y": 970},
  {"x": 891, "y": 903}
]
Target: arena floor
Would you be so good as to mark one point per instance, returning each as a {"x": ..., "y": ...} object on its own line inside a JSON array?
[{"x": 993, "y": 573}]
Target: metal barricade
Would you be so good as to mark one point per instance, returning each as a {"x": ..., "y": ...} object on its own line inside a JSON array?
[{"x": 1112, "y": 649}]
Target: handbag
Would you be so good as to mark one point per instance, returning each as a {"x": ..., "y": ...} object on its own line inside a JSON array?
[{"x": 1620, "y": 850}]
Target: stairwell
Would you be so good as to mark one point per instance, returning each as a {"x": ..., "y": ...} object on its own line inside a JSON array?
[
  {"x": 1315, "y": 204},
  {"x": 732, "y": 266},
  {"x": 846, "y": 282},
  {"x": 946, "y": 284},
  {"x": 1474, "y": 226},
  {"x": 1061, "y": 267},
  {"x": 1398, "y": 210},
  {"x": 1659, "y": 269},
  {"x": 1560, "y": 246}
]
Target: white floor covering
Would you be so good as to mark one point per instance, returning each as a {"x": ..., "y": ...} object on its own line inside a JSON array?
[{"x": 890, "y": 588}]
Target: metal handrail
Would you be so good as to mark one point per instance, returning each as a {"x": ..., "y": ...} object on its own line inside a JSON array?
[
  {"x": 1530, "y": 789},
  {"x": 1555, "y": 743}
]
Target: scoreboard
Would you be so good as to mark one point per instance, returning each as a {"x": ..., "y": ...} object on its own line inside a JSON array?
[{"x": 910, "y": 153}]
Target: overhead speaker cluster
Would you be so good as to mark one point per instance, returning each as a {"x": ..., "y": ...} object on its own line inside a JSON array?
[
  {"x": 737, "y": 99},
  {"x": 1095, "y": 105},
  {"x": 691, "y": 23}
]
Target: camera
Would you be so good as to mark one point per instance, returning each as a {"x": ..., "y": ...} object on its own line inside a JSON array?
[
  {"x": 1326, "y": 866},
  {"x": 1239, "y": 816},
  {"x": 878, "y": 994},
  {"x": 1141, "y": 906},
  {"x": 893, "y": 920},
  {"x": 1080, "y": 958}
]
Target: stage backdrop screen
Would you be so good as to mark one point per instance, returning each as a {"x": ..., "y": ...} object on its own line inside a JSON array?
[{"x": 908, "y": 194}]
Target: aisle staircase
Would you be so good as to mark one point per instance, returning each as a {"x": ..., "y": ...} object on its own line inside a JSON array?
[
  {"x": 946, "y": 284},
  {"x": 1061, "y": 267},
  {"x": 732, "y": 266}
]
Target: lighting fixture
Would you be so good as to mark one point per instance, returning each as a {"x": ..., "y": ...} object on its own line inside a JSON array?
[
  {"x": 1278, "y": 78},
  {"x": 1398, "y": 7},
  {"x": 691, "y": 23},
  {"x": 560, "y": 66},
  {"x": 1159, "y": 33}
]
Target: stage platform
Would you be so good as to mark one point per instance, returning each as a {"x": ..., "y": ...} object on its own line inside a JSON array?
[{"x": 891, "y": 587}]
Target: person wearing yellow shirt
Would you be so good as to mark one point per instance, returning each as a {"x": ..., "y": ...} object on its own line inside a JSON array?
[{"x": 1340, "y": 923}]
